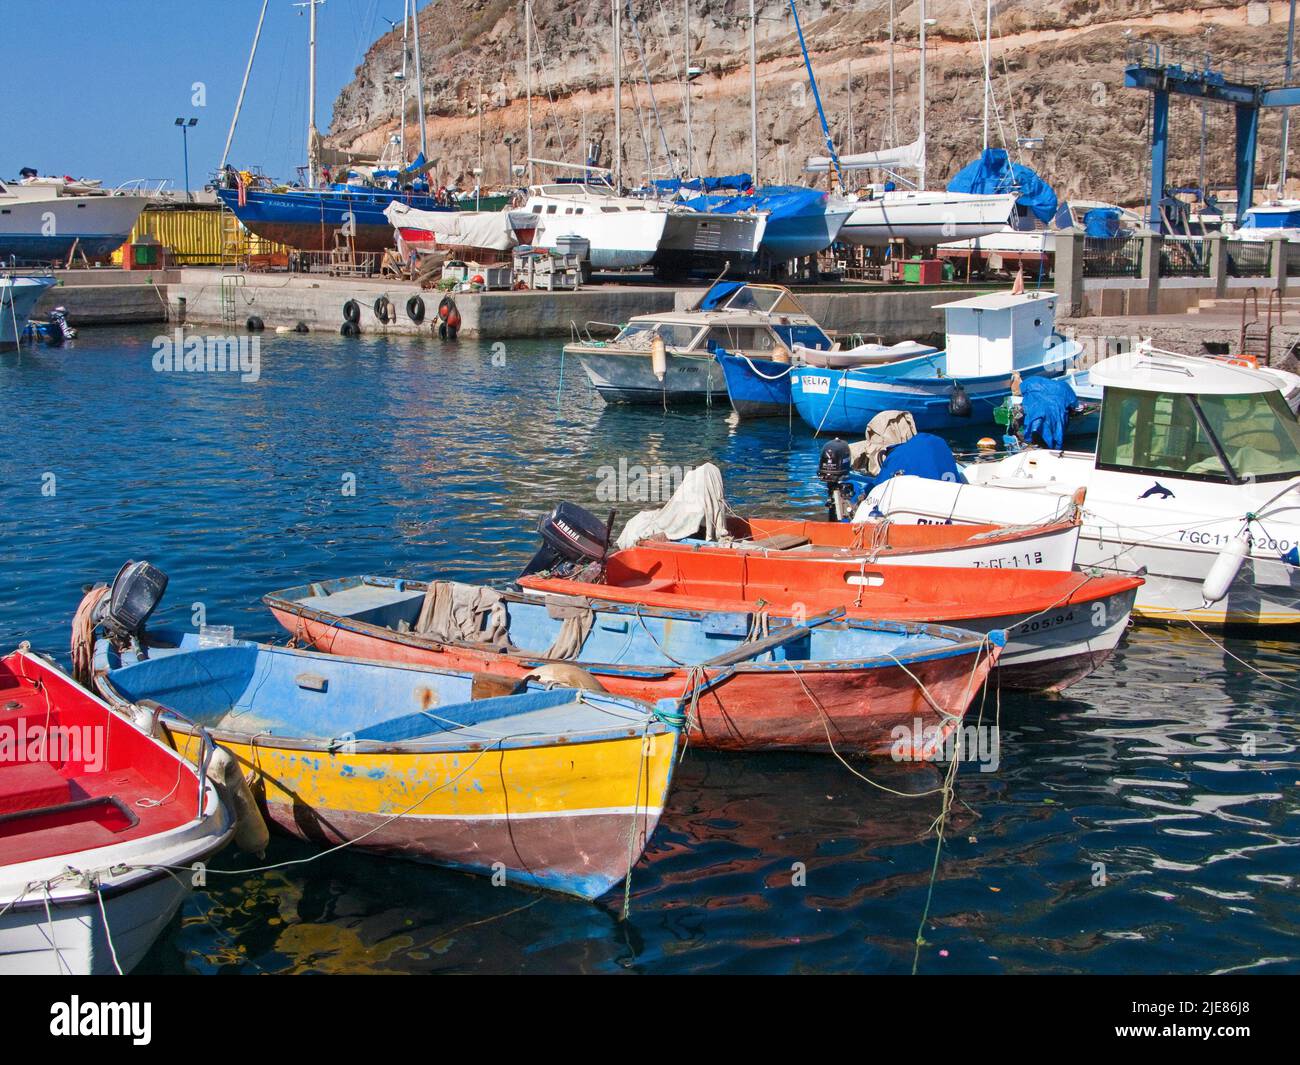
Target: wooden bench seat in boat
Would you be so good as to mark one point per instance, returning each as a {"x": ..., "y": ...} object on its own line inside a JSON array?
[{"x": 778, "y": 542}]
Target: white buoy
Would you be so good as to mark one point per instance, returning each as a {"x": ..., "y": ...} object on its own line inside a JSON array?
[
  {"x": 251, "y": 834},
  {"x": 1226, "y": 567},
  {"x": 658, "y": 357}
]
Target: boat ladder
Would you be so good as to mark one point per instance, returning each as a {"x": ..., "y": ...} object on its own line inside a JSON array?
[{"x": 230, "y": 286}]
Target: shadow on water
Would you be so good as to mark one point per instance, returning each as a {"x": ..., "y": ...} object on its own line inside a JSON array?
[{"x": 1146, "y": 821}]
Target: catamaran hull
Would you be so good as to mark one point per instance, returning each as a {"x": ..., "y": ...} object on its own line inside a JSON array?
[
  {"x": 712, "y": 242},
  {"x": 18, "y": 298},
  {"x": 927, "y": 219},
  {"x": 758, "y": 388},
  {"x": 856, "y": 706},
  {"x": 630, "y": 378},
  {"x": 49, "y": 229}
]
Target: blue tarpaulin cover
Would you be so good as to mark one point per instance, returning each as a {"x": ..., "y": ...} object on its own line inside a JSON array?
[
  {"x": 1047, "y": 402},
  {"x": 706, "y": 184},
  {"x": 994, "y": 172},
  {"x": 782, "y": 201},
  {"x": 718, "y": 293},
  {"x": 1102, "y": 222},
  {"x": 924, "y": 455}
]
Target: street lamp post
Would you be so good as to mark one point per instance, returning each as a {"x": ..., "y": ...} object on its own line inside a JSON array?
[{"x": 186, "y": 126}]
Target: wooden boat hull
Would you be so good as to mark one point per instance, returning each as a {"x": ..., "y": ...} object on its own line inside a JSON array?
[
  {"x": 1050, "y": 546},
  {"x": 562, "y": 818},
  {"x": 770, "y": 705},
  {"x": 1060, "y": 626},
  {"x": 409, "y": 765}
]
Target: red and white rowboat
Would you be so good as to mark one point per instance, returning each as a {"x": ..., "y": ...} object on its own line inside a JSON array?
[{"x": 99, "y": 824}]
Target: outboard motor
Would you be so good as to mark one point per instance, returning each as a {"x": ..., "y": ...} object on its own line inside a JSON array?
[
  {"x": 573, "y": 540},
  {"x": 833, "y": 466},
  {"x": 136, "y": 592},
  {"x": 59, "y": 325}
]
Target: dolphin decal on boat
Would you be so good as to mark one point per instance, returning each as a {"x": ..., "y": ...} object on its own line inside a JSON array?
[{"x": 1158, "y": 490}]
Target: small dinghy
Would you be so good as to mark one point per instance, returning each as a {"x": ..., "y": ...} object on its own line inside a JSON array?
[
  {"x": 1060, "y": 625},
  {"x": 99, "y": 824},
  {"x": 748, "y": 686},
  {"x": 556, "y": 788}
]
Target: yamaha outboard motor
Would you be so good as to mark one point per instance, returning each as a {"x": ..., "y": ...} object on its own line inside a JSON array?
[
  {"x": 573, "y": 541},
  {"x": 137, "y": 590},
  {"x": 833, "y": 466}
]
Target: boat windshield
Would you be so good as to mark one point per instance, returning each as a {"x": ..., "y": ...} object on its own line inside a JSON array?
[
  {"x": 766, "y": 300},
  {"x": 640, "y": 335},
  {"x": 1227, "y": 438}
]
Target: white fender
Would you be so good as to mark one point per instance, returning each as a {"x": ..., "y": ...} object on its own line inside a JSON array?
[{"x": 1226, "y": 567}]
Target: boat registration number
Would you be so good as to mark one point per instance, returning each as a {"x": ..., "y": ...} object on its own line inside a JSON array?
[
  {"x": 1028, "y": 559},
  {"x": 1041, "y": 623},
  {"x": 816, "y": 384}
]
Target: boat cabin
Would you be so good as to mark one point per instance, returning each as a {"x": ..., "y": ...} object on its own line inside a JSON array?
[
  {"x": 573, "y": 197},
  {"x": 999, "y": 333},
  {"x": 763, "y": 320},
  {"x": 1168, "y": 416}
]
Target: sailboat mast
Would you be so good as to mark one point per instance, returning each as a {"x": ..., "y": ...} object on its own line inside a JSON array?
[
  {"x": 618, "y": 94},
  {"x": 690, "y": 143},
  {"x": 419, "y": 78},
  {"x": 988, "y": 73},
  {"x": 920, "y": 124},
  {"x": 893, "y": 127},
  {"x": 406, "y": 51},
  {"x": 313, "y": 166},
  {"x": 753, "y": 92},
  {"x": 528, "y": 78},
  {"x": 234, "y": 119}
]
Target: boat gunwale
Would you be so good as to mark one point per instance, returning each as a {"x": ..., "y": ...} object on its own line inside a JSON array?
[
  {"x": 961, "y": 641},
  {"x": 650, "y": 725}
]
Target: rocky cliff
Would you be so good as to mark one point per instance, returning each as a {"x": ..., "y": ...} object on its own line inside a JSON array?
[{"x": 1056, "y": 65}]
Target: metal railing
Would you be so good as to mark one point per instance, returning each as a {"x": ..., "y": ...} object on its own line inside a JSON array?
[
  {"x": 1185, "y": 257},
  {"x": 1249, "y": 258},
  {"x": 1112, "y": 256}
]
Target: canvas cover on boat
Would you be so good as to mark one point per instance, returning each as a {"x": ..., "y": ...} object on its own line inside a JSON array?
[
  {"x": 740, "y": 182},
  {"x": 1102, "y": 222},
  {"x": 904, "y": 157},
  {"x": 886, "y": 429},
  {"x": 924, "y": 455},
  {"x": 994, "y": 172},
  {"x": 697, "y": 508},
  {"x": 780, "y": 201},
  {"x": 473, "y": 229}
]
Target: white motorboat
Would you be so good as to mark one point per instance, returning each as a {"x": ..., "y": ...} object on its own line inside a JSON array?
[
  {"x": 44, "y": 219},
  {"x": 19, "y": 294},
  {"x": 925, "y": 218},
  {"x": 1195, "y": 482}
]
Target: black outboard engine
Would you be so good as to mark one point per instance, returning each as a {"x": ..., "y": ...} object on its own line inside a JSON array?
[
  {"x": 136, "y": 592},
  {"x": 573, "y": 541},
  {"x": 833, "y": 466}
]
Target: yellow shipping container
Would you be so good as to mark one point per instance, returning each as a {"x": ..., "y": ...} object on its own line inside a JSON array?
[{"x": 199, "y": 235}]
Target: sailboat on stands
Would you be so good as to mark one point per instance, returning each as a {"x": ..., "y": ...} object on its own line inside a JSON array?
[
  {"x": 918, "y": 216},
  {"x": 312, "y": 218}
]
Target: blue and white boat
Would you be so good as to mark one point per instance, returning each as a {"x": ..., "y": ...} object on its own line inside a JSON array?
[
  {"x": 990, "y": 339},
  {"x": 800, "y": 221}
]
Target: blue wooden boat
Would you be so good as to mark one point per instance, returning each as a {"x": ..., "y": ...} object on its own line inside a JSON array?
[
  {"x": 990, "y": 338},
  {"x": 757, "y": 387},
  {"x": 558, "y": 788}
]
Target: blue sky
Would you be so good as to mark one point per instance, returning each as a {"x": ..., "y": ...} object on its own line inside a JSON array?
[{"x": 95, "y": 86}]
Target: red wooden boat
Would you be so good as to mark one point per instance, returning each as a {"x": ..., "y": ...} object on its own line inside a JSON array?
[
  {"x": 91, "y": 811},
  {"x": 1049, "y": 546},
  {"x": 1060, "y": 625},
  {"x": 846, "y": 683}
]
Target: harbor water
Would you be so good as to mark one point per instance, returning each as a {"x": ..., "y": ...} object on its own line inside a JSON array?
[{"x": 1148, "y": 821}]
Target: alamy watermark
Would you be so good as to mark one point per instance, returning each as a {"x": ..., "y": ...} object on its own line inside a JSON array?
[
  {"x": 919, "y": 742},
  {"x": 178, "y": 353},
  {"x": 634, "y": 483}
]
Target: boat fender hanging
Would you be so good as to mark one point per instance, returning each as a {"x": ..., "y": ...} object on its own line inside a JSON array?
[
  {"x": 415, "y": 309},
  {"x": 301, "y": 327},
  {"x": 448, "y": 318},
  {"x": 254, "y": 324},
  {"x": 1226, "y": 567},
  {"x": 959, "y": 402},
  {"x": 251, "y": 835},
  {"x": 352, "y": 311},
  {"x": 349, "y": 329},
  {"x": 384, "y": 310},
  {"x": 659, "y": 357}
]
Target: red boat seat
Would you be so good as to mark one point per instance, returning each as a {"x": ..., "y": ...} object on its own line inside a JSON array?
[{"x": 30, "y": 785}]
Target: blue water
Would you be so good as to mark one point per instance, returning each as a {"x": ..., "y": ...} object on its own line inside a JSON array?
[{"x": 237, "y": 488}]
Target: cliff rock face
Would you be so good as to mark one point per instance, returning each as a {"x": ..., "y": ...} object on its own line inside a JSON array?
[{"x": 1056, "y": 65}]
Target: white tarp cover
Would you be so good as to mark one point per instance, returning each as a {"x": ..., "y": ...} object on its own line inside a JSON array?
[
  {"x": 904, "y": 157},
  {"x": 473, "y": 229},
  {"x": 698, "y": 504}
]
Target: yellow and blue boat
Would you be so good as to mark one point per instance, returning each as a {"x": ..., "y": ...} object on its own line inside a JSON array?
[{"x": 554, "y": 788}]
